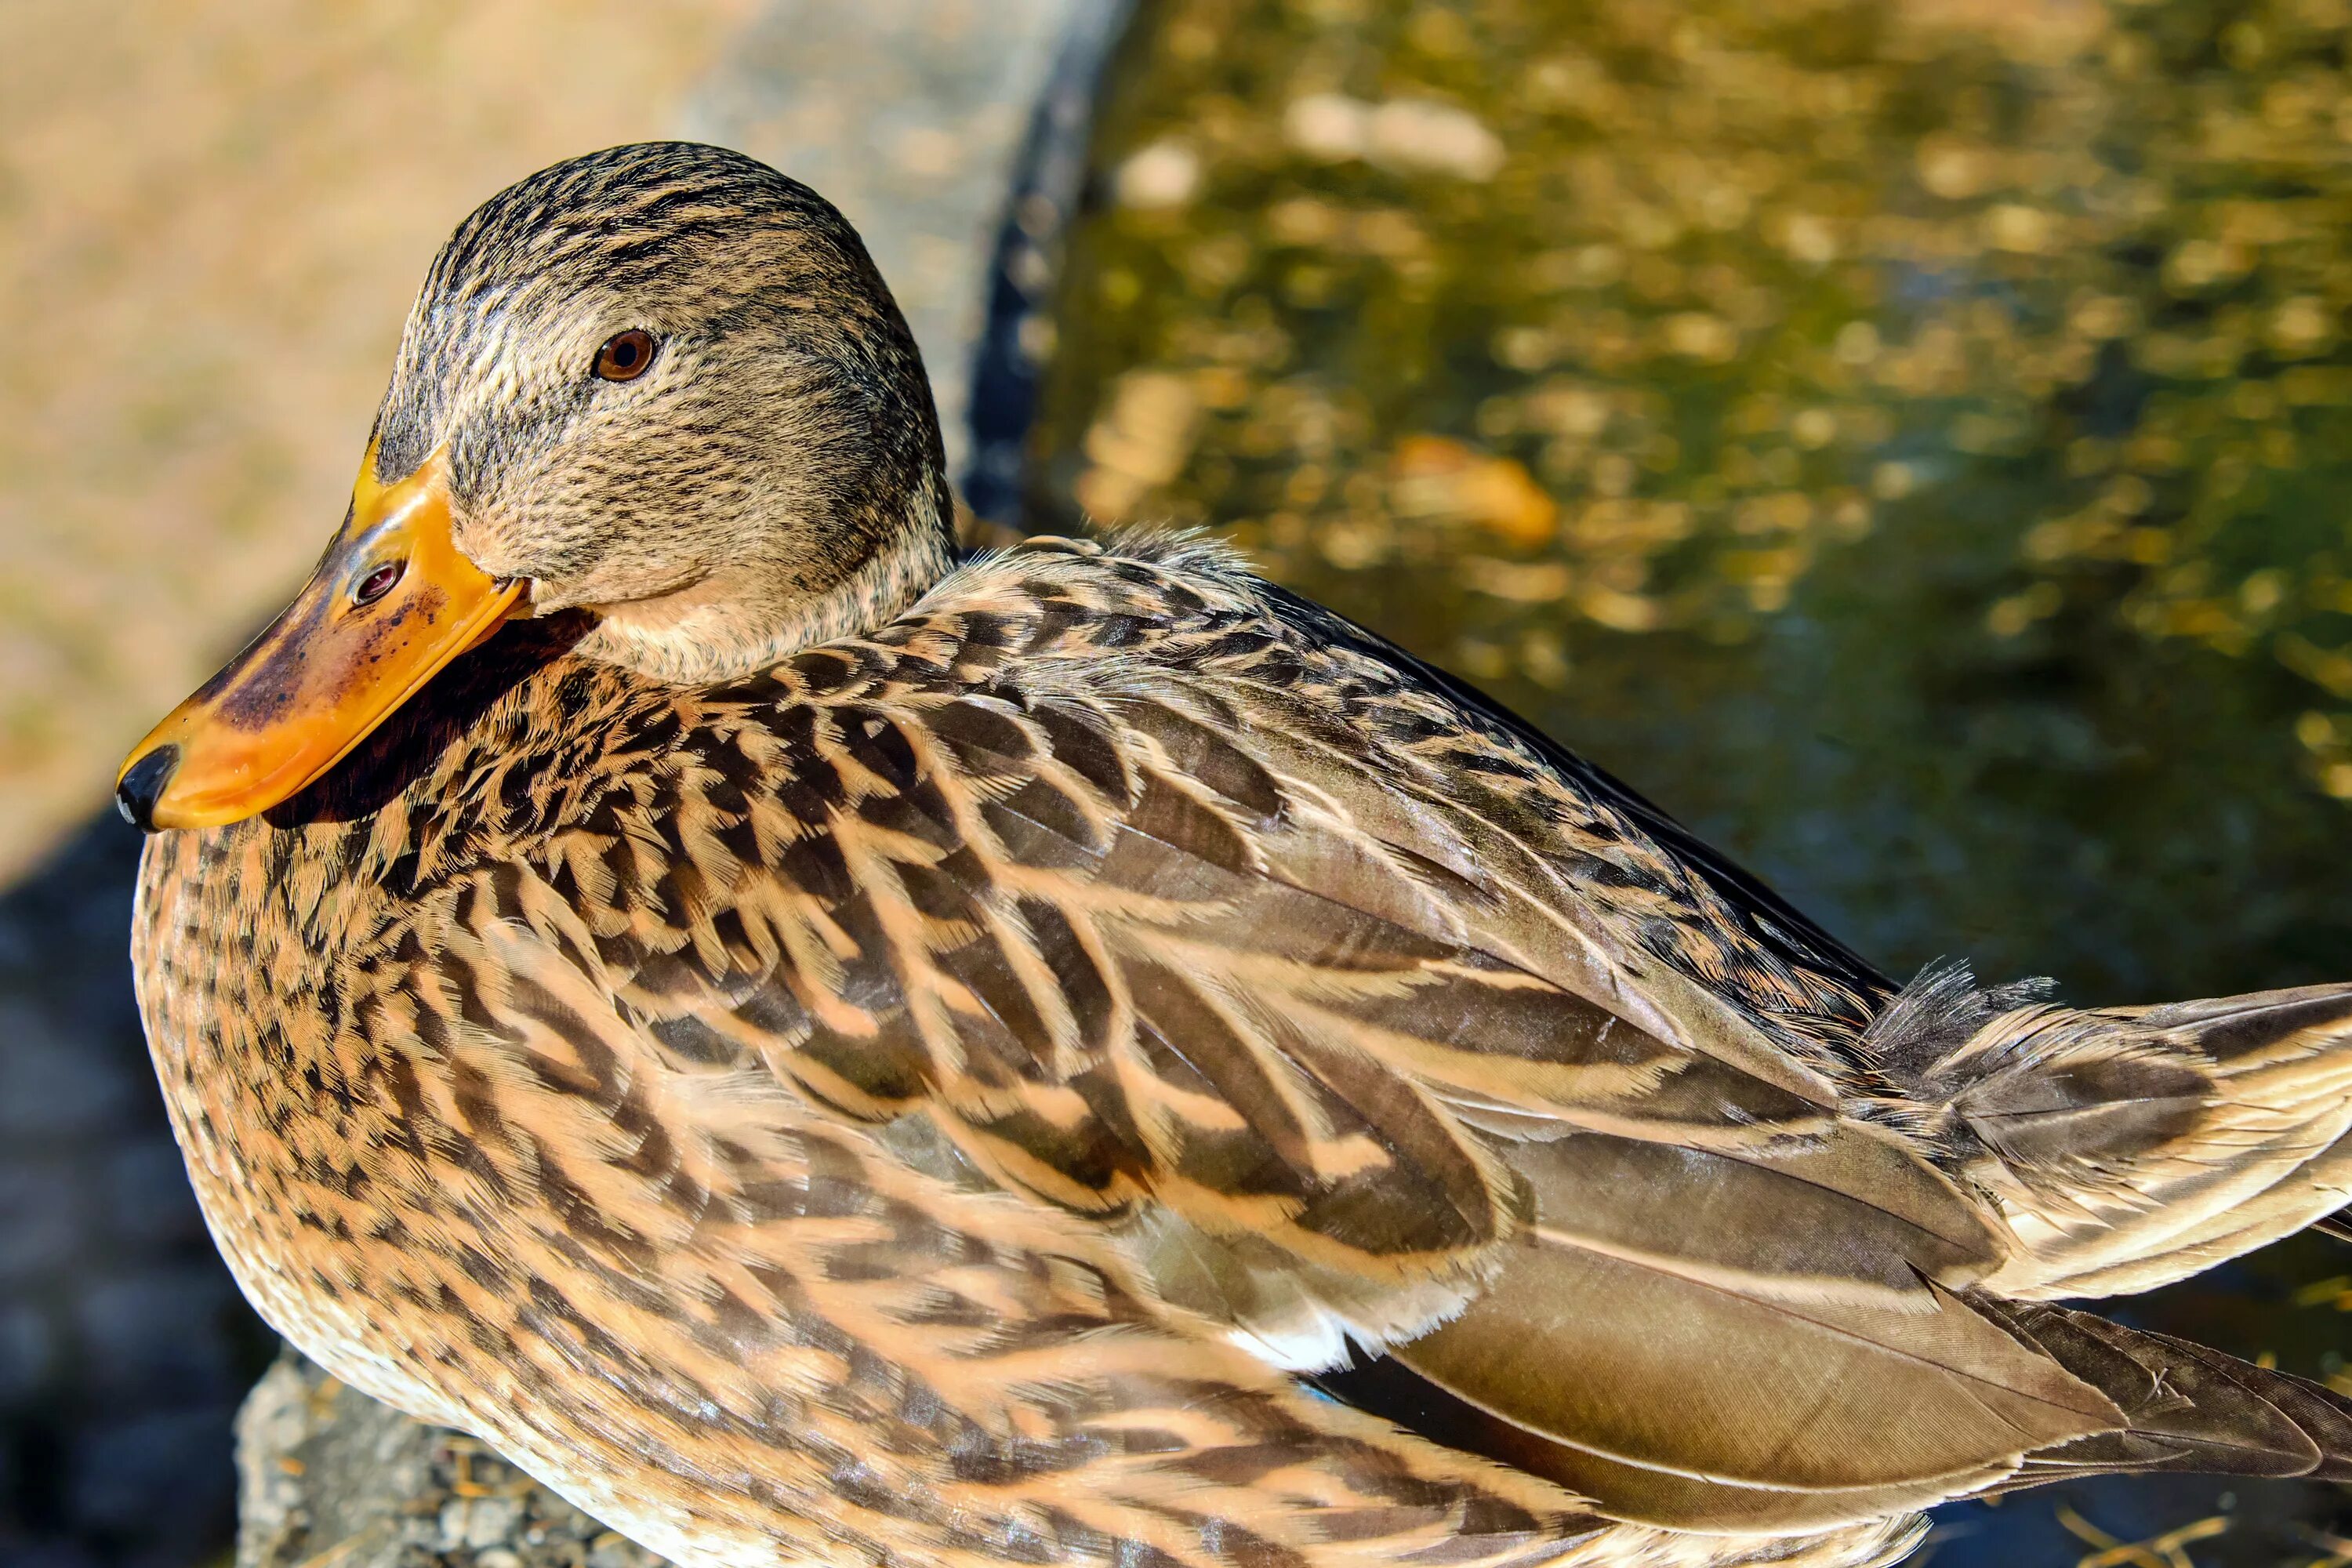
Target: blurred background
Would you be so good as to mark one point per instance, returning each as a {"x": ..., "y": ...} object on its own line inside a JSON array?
[{"x": 1907, "y": 439}]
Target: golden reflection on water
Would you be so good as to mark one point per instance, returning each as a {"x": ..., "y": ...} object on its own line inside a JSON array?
[{"x": 1633, "y": 313}]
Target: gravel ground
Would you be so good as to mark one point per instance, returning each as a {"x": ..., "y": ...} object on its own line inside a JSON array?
[{"x": 327, "y": 1471}]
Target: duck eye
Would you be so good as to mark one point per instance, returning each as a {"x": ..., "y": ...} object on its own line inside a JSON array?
[
  {"x": 625, "y": 355},
  {"x": 376, "y": 584}
]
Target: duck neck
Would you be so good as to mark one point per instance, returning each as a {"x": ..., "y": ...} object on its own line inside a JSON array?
[{"x": 731, "y": 626}]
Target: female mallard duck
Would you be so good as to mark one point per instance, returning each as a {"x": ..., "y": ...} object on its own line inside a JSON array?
[{"x": 825, "y": 1051}]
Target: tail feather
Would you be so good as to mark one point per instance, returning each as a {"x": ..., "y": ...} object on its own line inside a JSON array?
[
  {"x": 2187, "y": 1407},
  {"x": 2128, "y": 1147},
  {"x": 1732, "y": 1366},
  {"x": 2144, "y": 1403}
]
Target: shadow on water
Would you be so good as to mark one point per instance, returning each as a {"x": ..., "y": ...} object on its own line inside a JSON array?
[{"x": 124, "y": 1347}]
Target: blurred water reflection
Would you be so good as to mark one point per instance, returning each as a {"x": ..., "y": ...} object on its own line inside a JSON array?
[{"x": 1909, "y": 440}]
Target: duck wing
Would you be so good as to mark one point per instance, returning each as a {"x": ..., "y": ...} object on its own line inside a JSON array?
[
  {"x": 1259, "y": 928},
  {"x": 1343, "y": 1012},
  {"x": 1745, "y": 937},
  {"x": 2129, "y": 1147},
  {"x": 1333, "y": 1012}
]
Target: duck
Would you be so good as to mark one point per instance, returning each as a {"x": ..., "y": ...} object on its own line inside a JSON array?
[{"x": 824, "y": 1047}]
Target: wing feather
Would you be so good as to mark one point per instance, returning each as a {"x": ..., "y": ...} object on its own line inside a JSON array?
[{"x": 1350, "y": 1019}]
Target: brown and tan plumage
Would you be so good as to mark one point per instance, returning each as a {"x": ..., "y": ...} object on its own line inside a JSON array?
[{"x": 824, "y": 1052}]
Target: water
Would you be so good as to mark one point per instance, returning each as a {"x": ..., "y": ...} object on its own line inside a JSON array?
[{"x": 1909, "y": 441}]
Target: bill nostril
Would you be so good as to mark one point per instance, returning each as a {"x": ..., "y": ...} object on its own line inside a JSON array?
[
  {"x": 142, "y": 785},
  {"x": 378, "y": 583}
]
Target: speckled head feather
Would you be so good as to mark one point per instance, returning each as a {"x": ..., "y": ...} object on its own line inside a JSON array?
[{"x": 781, "y": 447}]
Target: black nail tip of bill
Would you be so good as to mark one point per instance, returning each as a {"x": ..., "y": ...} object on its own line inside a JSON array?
[{"x": 142, "y": 785}]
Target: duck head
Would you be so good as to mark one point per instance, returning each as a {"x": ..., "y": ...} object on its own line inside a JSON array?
[{"x": 661, "y": 384}]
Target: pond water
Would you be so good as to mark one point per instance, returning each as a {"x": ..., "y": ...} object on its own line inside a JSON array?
[{"x": 1908, "y": 440}]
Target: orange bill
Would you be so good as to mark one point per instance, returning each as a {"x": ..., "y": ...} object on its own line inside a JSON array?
[{"x": 392, "y": 603}]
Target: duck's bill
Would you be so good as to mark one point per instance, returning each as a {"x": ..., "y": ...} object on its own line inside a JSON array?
[{"x": 392, "y": 602}]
